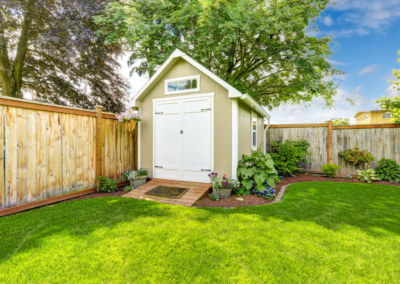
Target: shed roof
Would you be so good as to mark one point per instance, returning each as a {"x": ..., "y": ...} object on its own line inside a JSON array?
[{"x": 173, "y": 58}]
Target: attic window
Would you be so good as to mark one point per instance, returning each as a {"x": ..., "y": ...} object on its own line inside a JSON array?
[
  {"x": 387, "y": 115},
  {"x": 182, "y": 85}
]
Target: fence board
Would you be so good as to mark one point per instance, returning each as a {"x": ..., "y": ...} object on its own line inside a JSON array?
[
  {"x": 41, "y": 154},
  {"x": 86, "y": 146},
  {"x": 65, "y": 158},
  {"x": 92, "y": 154},
  {"x": 57, "y": 154},
  {"x": 31, "y": 155},
  {"x": 22, "y": 177},
  {"x": 72, "y": 153},
  {"x": 11, "y": 154}
]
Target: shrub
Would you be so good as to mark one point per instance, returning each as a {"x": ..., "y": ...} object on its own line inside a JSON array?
[
  {"x": 107, "y": 185},
  {"x": 278, "y": 179},
  {"x": 255, "y": 172},
  {"x": 356, "y": 156},
  {"x": 127, "y": 188},
  {"x": 330, "y": 170},
  {"x": 388, "y": 170},
  {"x": 367, "y": 175},
  {"x": 286, "y": 155}
]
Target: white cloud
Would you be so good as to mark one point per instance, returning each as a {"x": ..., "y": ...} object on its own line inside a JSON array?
[
  {"x": 365, "y": 15},
  {"x": 316, "y": 113},
  {"x": 334, "y": 62},
  {"x": 327, "y": 21},
  {"x": 391, "y": 92},
  {"x": 368, "y": 69}
]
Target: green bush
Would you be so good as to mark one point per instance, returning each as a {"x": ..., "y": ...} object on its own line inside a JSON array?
[
  {"x": 286, "y": 155},
  {"x": 388, "y": 170},
  {"x": 367, "y": 175},
  {"x": 107, "y": 185},
  {"x": 356, "y": 156},
  {"x": 255, "y": 172},
  {"x": 330, "y": 170}
]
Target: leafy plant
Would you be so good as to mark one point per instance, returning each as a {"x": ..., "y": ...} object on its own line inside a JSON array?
[
  {"x": 356, "y": 156},
  {"x": 367, "y": 175},
  {"x": 213, "y": 196},
  {"x": 286, "y": 155},
  {"x": 127, "y": 188},
  {"x": 126, "y": 173},
  {"x": 107, "y": 185},
  {"x": 224, "y": 182},
  {"x": 278, "y": 179},
  {"x": 315, "y": 175},
  {"x": 255, "y": 172},
  {"x": 348, "y": 177},
  {"x": 389, "y": 170},
  {"x": 330, "y": 170},
  {"x": 138, "y": 174}
]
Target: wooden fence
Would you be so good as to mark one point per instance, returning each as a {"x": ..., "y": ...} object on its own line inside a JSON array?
[
  {"x": 52, "y": 153},
  {"x": 382, "y": 140}
]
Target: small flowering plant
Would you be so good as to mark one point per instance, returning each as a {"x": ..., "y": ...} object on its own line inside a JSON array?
[
  {"x": 138, "y": 174},
  {"x": 213, "y": 196},
  {"x": 348, "y": 177},
  {"x": 224, "y": 182},
  {"x": 126, "y": 173},
  {"x": 268, "y": 193},
  {"x": 129, "y": 115}
]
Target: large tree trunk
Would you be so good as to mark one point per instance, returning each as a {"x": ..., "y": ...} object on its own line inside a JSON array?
[{"x": 11, "y": 78}]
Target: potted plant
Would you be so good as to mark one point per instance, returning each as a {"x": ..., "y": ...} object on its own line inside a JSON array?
[
  {"x": 223, "y": 186},
  {"x": 138, "y": 178},
  {"x": 129, "y": 117}
]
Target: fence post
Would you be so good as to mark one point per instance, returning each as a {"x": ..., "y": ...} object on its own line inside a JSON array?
[
  {"x": 99, "y": 142},
  {"x": 330, "y": 142}
]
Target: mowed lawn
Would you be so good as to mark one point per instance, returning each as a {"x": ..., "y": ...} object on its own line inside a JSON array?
[{"x": 321, "y": 232}]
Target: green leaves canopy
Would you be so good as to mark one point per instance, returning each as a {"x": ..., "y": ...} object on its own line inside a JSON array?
[{"x": 263, "y": 48}]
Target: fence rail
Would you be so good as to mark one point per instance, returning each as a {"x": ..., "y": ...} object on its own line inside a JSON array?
[
  {"x": 55, "y": 152},
  {"x": 382, "y": 140}
]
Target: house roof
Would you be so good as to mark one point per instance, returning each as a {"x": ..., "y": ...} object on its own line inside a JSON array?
[
  {"x": 364, "y": 111},
  {"x": 173, "y": 58}
]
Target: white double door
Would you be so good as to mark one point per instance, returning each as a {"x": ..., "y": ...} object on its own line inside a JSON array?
[{"x": 183, "y": 146}]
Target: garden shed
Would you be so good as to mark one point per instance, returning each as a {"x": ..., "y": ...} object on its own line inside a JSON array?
[{"x": 194, "y": 123}]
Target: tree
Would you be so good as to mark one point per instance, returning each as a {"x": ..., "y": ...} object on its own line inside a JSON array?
[
  {"x": 263, "y": 48},
  {"x": 339, "y": 121},
  {"x": 48, "y": 48},
  {"x": 392, "y": 105}
]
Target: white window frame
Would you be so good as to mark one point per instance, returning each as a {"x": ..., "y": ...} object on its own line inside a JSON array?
[
  {"x": 358, "y": 119},
  {"x": 181, "y": 79},
  {"x": 253, "y": 115},
  {"x": 366, "y": 117},
  {"x": 387, "y": 113}
]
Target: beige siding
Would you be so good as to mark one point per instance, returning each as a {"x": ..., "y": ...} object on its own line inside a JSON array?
[{"x": 222, "y": 116}]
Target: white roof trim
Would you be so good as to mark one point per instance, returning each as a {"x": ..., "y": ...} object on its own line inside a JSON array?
[
  {"x": 254, "y": 105},
  {"x": 233, "y": 93}
]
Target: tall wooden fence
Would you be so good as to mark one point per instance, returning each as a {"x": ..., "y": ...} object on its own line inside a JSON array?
[
  {"x": 382, "y": 140},
  {"x": 53, "y": 152}
]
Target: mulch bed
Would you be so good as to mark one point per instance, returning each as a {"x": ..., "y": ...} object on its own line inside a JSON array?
[{"x": 249, "y": 200}]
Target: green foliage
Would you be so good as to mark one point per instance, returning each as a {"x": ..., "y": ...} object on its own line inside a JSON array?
[
  {"x": 367, "y": 175},
  {"x": 286, "y": 155},
  {"x": 265, "y": 49},
  {"x": 127, "y": 188},
  {"x": 356, "y": 156},
  {"x": 278, "y": 179},
  {"x": 213, "y": 196},
  {"x": 389, "y": 170},
  {"x": 392, "y": 105},
  {"x": 107, "y": 185},
  {"x": 255, "y": 172},
  {"x": 330, "y": 170},
  {"x": 339, "y": 122},
  {"x": 126, "y": 173}
]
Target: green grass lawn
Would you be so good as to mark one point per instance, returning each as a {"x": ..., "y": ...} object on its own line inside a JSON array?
[{"x": 321, "y": 232}]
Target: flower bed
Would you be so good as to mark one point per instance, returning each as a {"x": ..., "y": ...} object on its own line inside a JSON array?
[{"x": 251, "y": 200}]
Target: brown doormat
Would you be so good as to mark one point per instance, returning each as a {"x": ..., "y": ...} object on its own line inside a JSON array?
[{"x": 167, "y": 191}]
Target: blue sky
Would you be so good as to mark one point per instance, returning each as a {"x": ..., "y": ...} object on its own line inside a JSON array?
[{"x": 367, "y": 33}]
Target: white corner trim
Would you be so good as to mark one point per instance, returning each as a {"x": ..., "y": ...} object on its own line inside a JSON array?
[
  {"x": 265, "y": 135},
  {"x": 166, "y": 92},
  {"x": 235, "y": 136},
  {"x": 139, "y": 141}
]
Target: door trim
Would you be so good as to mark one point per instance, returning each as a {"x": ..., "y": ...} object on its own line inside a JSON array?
[{"x": 179, "y": 98}]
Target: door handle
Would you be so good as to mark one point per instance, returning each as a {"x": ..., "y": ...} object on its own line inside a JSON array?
[
  {"x": 206, "y": 170},
  {"x": 181, "y": 131}
]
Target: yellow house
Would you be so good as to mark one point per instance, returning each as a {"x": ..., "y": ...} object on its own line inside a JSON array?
[{"x": 373, "y": 117}]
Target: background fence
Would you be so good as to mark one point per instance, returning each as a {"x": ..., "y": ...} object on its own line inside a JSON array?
[
  {"x": 383, "y": 141},
  {"x": 53, "y": 153}
]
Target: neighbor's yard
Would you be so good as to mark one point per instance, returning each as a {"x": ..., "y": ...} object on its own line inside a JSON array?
[{"x": 321, "y": 232}]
